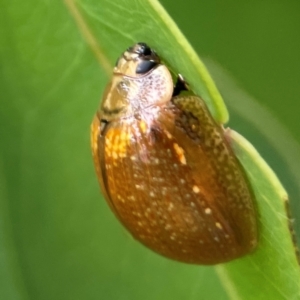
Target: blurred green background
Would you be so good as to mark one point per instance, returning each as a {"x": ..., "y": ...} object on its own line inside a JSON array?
[{"x": 58, "y": 239}]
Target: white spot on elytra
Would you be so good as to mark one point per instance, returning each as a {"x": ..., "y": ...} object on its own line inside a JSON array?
[
  {"x": 132, "y": 198},
  {"x": 219, "y": 225},
  {"x": 196, "y": 189},
  {"x": 139, "y": 187},
  {"x": 168, "y": 227},
  {"x": 169, "y": 136},
  {"x": 170, "y": 206},
  {"x": 120, "y": 198},
  {"x": 152, "y": 194},
  {"x": 207, "y": 211},
  {"x": 180, "y": 153}
]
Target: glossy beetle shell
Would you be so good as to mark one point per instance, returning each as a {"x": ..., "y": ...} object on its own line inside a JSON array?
[{"x": 165, "y": 167}]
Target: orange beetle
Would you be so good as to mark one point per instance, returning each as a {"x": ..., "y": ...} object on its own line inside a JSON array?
[{"x": 165, "y": 167}]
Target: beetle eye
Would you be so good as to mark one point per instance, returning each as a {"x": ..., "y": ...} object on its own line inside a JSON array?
[{"x": 145, "y": 66}]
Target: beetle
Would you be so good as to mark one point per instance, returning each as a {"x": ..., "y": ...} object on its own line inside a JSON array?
[{"x": 165, "y": 167}]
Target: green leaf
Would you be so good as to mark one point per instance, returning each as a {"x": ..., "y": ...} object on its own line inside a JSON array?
[{"x": 58, "y": 238}]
